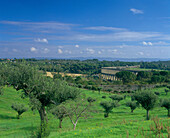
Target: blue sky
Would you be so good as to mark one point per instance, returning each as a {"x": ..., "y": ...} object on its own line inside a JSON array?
[{"x": 85, "y": 28}]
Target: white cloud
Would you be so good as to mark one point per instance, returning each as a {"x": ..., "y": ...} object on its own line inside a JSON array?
[
  {"x": 161, "y": 43},
  {"x": 33, "y": 49},
  {"x": 114, "y": 50},
  {"x": 99, "y": 52},
  {"x": 141, "y": 53},
  {"x": 147, "y": 43},
  {"x": 60, "y": 46},
  {"x": 90, "y": 50},
  {"x": 77, "y": 46},
  {"x": 68, "y": 52},
  {"x": 14, "y": 50},
  {"x": 44, "y": 27},
  {"x": 104, "y": 28},
  {"x": 136, "y": 11},
  {"x": 118, "y": 36},
  {"x": 44, "y": 40},
  {"x": 144, "y": 43},
  {"x": 46, "y": 50},
  {"x": 60, "y": 51},
  {"x": 150, "y": 43}
]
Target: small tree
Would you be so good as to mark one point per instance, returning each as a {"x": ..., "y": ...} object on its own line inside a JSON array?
[
  {"x": 147, "y": 100},
  {"x": 116, "y": 97},
  {"x": 60, "y": 113},
  {"x": 78, "y": 108},
  {"x": 58, "y": 76},
  {"x": 132, "y": 104},
  {"x": 99, "y": 89},
  {"x": 108, "y": 106},
  {"x": 166, "y": 103},
  {"x": 166, "y": 91},
  {"x": 19, "y": 108}
]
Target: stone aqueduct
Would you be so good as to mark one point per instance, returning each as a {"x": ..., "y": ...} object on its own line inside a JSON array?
[{"x": 109, "y": 73}]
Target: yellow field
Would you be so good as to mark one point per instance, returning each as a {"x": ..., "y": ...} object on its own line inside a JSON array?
[{"x": 50, "y": 74}]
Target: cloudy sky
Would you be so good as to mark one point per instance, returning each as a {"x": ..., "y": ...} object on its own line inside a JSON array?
[{"x": 85, "y": 28}]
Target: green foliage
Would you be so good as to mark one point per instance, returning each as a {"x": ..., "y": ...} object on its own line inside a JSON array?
[
  {"x": 147, "y": 99},
  {"x": 117, "y": 97},
  {"x": 166, "y": 91},
  {"x": 60, "y": 113},
  {"x": 41, "y": 90},
  {"x": 104, "y": 97},
  {"x": 108, "y": 106},
  {"x": 57, "y": 76},
  {"x": 166, "y": 103},
  {"x": 90, "y": 99},
  {"x": 143, "y": 75},
  {"x": 126, "y": 76},
  {"x": 157, "y": 79},
  {"x": 132, "y": 104},
  {"x": 120, "y": 120},
  {"x": 19, "y": 108}
]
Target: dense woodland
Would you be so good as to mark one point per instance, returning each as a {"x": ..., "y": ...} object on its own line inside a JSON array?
[{"x": 91, "y": 66}]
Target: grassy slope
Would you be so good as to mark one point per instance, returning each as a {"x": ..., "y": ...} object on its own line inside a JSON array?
[{"x": 119, "y": 122}]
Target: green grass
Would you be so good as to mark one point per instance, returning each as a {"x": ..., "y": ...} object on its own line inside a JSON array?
[{"x": 120, "y": 122}]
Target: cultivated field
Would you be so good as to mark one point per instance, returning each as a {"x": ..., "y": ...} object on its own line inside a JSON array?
[
  {"x": 50, "y": 74},
  {"x": 120, "y": 123}
]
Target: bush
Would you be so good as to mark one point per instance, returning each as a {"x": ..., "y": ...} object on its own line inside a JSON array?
[
  {"x": 108, "y": 106},
  {"x": 166, "y": 103},
  {"x": 104, "y": 97},
  {"x": 157, "y": 93},
  {"x": 132, "y": 104},
  {"x": 19, "y": 108},
  {"x": 90, "y": 99},
  {"x": 116, "y": 97}
]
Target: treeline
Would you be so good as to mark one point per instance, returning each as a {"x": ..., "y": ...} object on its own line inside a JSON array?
[{"x": 91, "y": 66}]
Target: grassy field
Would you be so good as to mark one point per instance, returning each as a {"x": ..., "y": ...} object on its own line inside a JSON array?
[{"x": 120, "y": 123}]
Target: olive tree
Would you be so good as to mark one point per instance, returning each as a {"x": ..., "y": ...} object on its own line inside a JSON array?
[
  {"x": 166, "y": 103},
  {"x": 41, "y": 90},
  {"x": 19, "y": 108},
  {"x": 147, "y": 99},
  {"x": 132, "y": 104},
  {"x": 60, "y": 113},
  {"x": 3, "y": 76},
  {"x": 116, "y": 97},
  {"x": 166, "y": 91},
  {"x": 78, "y": 108},
  {"x": 108, "y": 106}
]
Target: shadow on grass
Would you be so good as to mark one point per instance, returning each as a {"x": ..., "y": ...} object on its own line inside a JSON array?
[
  {"x": 30, "y": 128},
  {"x": 7, "y": 117}
]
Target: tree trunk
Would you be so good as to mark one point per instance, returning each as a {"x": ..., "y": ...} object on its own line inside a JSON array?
[
  {"x": 18, "y": 116},
  {"x": 75, "y": 125},
  {"x": 168, "y": 112},
  {"x": 147, "y": 115},
  {"x": 44, "y": 119},
  {"x": 60, "y": 126}
]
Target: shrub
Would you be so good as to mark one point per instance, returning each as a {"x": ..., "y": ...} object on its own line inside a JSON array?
[
  {"x": 132, "y": 104},
  {"x": 166, "y": 103},
  {"x": 157, "y": 93},
  {"x": 104, "y": 97},
  {"x": 116, "y": 97},
  {"x": 108, "y": 106},
  {"x": 19, "y": 108}
]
